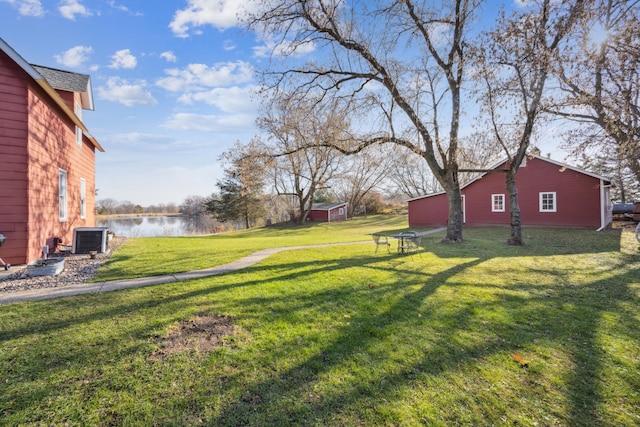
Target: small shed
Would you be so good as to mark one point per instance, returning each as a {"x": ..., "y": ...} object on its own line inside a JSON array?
[{"x": 328, "y": 212}]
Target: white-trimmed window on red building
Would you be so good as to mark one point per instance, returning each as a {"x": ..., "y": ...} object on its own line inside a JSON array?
[
  {"x": 548, "y": 201},
  {"x": 497, "y": 203}
]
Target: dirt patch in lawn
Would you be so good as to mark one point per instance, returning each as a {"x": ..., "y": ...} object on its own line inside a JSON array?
[{"x": 201, "y": 334}]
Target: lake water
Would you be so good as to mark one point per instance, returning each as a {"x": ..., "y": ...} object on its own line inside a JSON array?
[{"x": 154, "y": 226}]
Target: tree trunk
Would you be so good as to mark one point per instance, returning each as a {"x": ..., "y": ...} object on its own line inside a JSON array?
[
  {"x": 514, "y": 209},
  {"x": 247, "y": 221},
  {"x": 305, "y": 206},
  {"x": 455, "y": 221}
]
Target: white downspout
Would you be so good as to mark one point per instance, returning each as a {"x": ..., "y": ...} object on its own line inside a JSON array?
[{"x": 604, "y": 205}]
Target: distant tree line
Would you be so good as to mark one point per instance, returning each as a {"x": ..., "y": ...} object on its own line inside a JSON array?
[{"x": 115, "y": 207}]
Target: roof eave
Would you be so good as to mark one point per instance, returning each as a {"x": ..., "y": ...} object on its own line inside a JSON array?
[
  {"x": 72, "y": 115},
  {"x": 37, "y": 77},
  {"x": 87, "y": 97}
]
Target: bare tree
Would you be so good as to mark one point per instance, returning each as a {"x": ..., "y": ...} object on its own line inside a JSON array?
[
  {"x": 410, "y": 175},
  {"x": 607, "y": 161},
  {"x": 106, "y": 206},
  {"x": 194, "y": 206},
  {"x": 514, "y": 62},
  {"x": 600, "y": 75},
  {"x": 363, "y": 173},
  {"x": 303, "y": 162},
  {"x": 401, "y": 62}
]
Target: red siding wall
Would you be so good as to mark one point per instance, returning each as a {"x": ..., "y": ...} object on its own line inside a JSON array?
[
  {"x": 328, "y": 215},
  {"x": 577, "y": 199},
  {"x": 429, "y": 211},
  {"x": 52, "y": 146},
  {"x": 334, "y": 214},
  {"x": 318, "y": 216},
  {"x": 36, "y": 140},
  {"x": 13, "y": 161}
]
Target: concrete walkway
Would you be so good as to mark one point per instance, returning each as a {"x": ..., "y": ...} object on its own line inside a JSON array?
[{"x": 114, "y": 285}]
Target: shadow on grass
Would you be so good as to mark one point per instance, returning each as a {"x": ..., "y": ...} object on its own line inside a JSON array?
[
  {"x": 45, "y": 319},
  {"x": 490, "y": 242},
  {"x": 256, "y": 405},
  {"x": 570, "y": 318},
  {"x": 533, "y": 317}
]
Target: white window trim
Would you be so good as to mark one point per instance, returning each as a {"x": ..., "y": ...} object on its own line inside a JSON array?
[
  {"x": 340, "y": 211},
  {"x": 77, "y": 109},
  {"x": 494, "y": 197},
  {"x": 83, "y": 198},
  {"x": 464, "y": 208},
  {"x": 79, "y": 136},
  {"x": 63, "y": 182},
  {"x": 555, "y": 201}
]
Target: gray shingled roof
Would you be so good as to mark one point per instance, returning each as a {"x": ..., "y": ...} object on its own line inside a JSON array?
[
  {"x": 326, "y": 206},
  {"x": 63, "y": 80}
]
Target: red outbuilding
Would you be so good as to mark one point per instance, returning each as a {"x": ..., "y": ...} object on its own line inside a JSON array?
[
  {"x": 328, "y": 212},
  {"x": 47, "y": 156},
  {"x": 550, "y": 194}
]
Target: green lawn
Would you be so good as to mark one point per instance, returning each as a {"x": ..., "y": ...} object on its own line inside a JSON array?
[
  {"x": 143, "y": 257},
  {"x": 341, "y": 336}
]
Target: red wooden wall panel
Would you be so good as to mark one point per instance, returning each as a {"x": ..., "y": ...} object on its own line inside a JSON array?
[
  {"x": 319, "y": 216},
  {"x": 429, "y": 211},
  {"x": 13, "y": 159},
  {"x": 52, "y": 146},
  {"x": 36, "y": 140},
  {"x": 578, "y": 201}
]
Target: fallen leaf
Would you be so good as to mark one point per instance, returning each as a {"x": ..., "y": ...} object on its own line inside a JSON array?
[{"x": 518, "y": 358}]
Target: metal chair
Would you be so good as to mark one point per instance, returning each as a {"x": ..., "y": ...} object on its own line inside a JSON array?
[
  {"x": 381, "y": 239},
  {"x": 412, "y": 243}
]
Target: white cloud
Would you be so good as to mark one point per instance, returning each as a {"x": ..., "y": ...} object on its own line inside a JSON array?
[
  {"x": 122, "y": 8},
  {"x": 441, "y": 34},
  {"x": 374, "y": 86},
  {"x": 74, "y": 57},
  {"x": 169, "y": 56},
  {"x": 211, "y": 123},
  {"x": 283, "y": 48},
  {"x": 198, "y": 76},
  {"x": 229, "y": 45},
  {"x": 70, "y": 8},
  {"x": 113, "y": 4},
  {"x": 142, "y": 142},
  {"x": 221, "y": 14},
  {"x": 230, "y": 100},
  {"x": 123, "y": 59},
  {"x": 27, "y": 7},
  {"x": 129, "y": 94}
]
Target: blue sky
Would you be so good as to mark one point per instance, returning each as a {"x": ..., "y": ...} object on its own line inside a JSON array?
[{"x": 172, "y": 84}]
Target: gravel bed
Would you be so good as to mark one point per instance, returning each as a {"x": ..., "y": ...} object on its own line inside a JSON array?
[{"x": 77, "y": 269}]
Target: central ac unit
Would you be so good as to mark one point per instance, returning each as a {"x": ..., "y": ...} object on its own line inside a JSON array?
[{"x": 89, "y": 239}]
